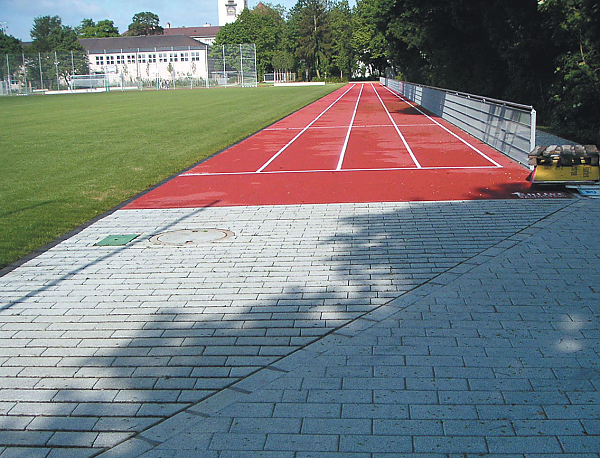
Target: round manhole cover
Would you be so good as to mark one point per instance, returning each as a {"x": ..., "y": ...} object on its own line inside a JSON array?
[{"x": 189, "y": 237}]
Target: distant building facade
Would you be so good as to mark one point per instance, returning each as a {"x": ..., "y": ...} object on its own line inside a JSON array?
[{"x": 148, "y": 57}]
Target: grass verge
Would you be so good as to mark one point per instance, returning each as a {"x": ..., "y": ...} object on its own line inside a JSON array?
[{"x": 66, "y": 159}]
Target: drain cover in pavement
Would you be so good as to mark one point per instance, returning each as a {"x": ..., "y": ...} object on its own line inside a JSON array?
[
  {"x": 188, "y": 237},
  {"x": 117, "y": 240}
]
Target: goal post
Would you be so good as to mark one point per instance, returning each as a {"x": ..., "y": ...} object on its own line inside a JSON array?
[{"x": 99, "y": 82}]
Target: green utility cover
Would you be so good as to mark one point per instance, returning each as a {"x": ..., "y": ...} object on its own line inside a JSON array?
[{"x": 117, "y": 240}]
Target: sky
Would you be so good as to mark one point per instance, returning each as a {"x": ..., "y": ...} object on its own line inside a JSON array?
[{"x": 16, "y": 16}]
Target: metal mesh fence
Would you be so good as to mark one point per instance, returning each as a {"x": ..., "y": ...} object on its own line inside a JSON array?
[
  {"x": 509, "y": 127},
  {"x": 126, "y": 69}
]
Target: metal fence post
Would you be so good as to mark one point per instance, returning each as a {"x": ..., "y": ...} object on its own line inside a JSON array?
[
  {"x": 207, "y": 69},
  {"x": 56, "y": 66},
  {"x": 242, "y": 63},
  {"x": 255, "y": 68},
  {"x": 41, "y": 76},
  {"x": 25, "y": 74},
  {"x": 8, "y": 75},
  {"x": 533, "y": 127}
]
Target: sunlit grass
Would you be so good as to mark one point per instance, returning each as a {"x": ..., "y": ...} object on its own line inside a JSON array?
[{"x": 65, "y": 159}]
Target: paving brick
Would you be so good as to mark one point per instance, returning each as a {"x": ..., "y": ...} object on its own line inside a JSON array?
[
  {"x": 358, "y": 443},
  {"x": 441, "y": 444},
  {"x": 524, "y": 444},
  {"x": 238, "y": 441},
  {"x": 478, "y": 315},
  {"x": 266, "y": 425}
]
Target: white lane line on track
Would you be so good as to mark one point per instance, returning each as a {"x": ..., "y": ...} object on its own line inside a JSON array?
[
  {"x": 475, "y": 167},
  {"x": 398, "y": 130},
  {"x": 345, "y": 146},
  {"x": 355, "y": 126},
  {"x": 446, "y": 129},
  {"x": 266, "y": 164}
]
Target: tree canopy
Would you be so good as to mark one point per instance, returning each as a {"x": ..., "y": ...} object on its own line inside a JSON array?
[
  {"x": 145, "y": 23},
  {"x": 263, "y": 26},
  {"x": 102, "y": 29},
  {"x": 9, "y": 44},
  {"x": 49, "y": 34}
]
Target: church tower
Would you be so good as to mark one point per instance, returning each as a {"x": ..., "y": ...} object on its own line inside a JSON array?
[{"x": 229, "y": 10}]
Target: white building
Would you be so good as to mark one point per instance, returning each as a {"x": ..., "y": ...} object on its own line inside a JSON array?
[{"x": 148, "y": 57}]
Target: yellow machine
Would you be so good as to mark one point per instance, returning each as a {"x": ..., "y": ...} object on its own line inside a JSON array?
[{"x": 565, "y": 164}]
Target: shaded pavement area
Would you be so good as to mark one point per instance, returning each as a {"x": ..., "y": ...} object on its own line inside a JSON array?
[{"x": 430, "y": 329}]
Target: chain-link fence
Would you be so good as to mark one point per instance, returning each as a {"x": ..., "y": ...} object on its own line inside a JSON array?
[
  {"x": 30, "y": 73},
  {"x": 126, "y": 69}
]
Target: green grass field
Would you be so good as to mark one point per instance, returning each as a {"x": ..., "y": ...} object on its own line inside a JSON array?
[{"x": 66, "y": 159}]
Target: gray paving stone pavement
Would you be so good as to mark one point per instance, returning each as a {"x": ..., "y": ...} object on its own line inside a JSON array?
[{"x": 431, "y": 329}]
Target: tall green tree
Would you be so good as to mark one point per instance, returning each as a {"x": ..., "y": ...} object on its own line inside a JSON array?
[
  {"x": 9, "y": 44},
  {"x": 574, "y": 93},
  {"x": 370, "y": 27},
  {"x": 310, "y": 31},
  {"x": 343, "y": 58},
  {"x": 263, "y": 26},
  {"x": 49, "y": 34},
  {"x": 473, "y": 46},
  {"x": 103, "y": 29},
  {"x": 60, "y": 54},
  {"x": 145, "y": 23}
]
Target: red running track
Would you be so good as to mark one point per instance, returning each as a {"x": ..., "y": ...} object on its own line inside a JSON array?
[{"x": 362, "y": 143}]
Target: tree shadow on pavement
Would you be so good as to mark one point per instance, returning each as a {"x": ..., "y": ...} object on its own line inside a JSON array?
[{"x": 93, "y": 358}]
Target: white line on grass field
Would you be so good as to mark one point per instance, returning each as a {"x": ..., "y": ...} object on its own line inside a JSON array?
[
  {"x": 397, "y": 130},
  {"x": 446, "y": 129},
  {"x": 345, "y": 146},
  {"x": 266, "y": 164},
  {"x": 474, "y": 167}
]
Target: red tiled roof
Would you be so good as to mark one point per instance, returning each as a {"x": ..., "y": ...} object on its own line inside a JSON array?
[{"x": 200, "y": 32}]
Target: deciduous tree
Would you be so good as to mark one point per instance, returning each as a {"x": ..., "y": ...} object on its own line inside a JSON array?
[
  {"x": 343, "y": 58},
  {"x": 49, "y": 34},
  {"x": 575, "y": 88},
  {"x": 263, "y": 26},
  {"x": 311, "y": 32},
  {"x": 145, "y": 23},
  {"x": 9, "y": 44},
  {"x": 103, "y": 29}
]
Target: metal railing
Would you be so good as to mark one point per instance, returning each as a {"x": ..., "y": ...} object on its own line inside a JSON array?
[{"x": 506, "y": 126}]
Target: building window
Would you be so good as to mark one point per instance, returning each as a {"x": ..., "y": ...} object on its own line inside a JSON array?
[
  {"x": 195, "y": 56},
  {"x": 141, "y": 58},
  {"x": 110, "y": 60},
  {"x": 99, "y": 60},
  {"x": 173, "y": 57},
  {"x": 120, "y": 59},
  {"x": 162, "y": 57},
  {"x": 131, "y": 58},
  {"x": 151, "y": 58},
  {"x": 184, "y": 57}
]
